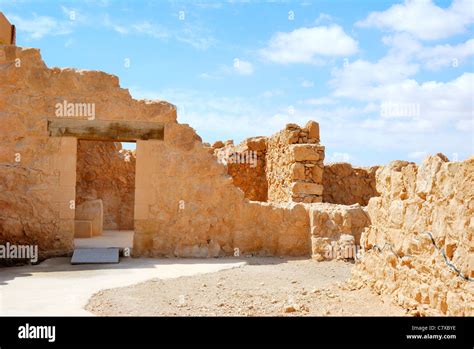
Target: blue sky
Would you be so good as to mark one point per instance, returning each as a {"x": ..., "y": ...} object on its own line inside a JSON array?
[{"x": 386, "y": 80}]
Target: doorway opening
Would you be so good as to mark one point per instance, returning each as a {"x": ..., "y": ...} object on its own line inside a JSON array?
[{"x": 105, "y": 194}]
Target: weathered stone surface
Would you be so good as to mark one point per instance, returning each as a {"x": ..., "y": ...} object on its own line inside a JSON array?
[
  {"x": 292, "y": 155},
  {"x": 305, "y": 152},
  {"x": 275, "y": 164},
  {"x": 400, "y": 257},
  {"x": 347, "y": 185},
  {"x": 7, "y": 31},
  {"x": 246, "y": 164},
  {"x": 303, "y": 188},
  {"x": 92, "y": 211},
  {"x": 336, "y": 230},
  {"x": 37, "y": 172},
  {"x": 82, "y": 228},
  {"x": 313, "y": 129}
]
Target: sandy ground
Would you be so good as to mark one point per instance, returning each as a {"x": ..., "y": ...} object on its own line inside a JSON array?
[
  {"x": 263, "y": 287},
  {"x": 57, "y": 288}
]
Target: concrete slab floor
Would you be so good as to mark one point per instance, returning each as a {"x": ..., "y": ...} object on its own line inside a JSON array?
[{"x": 55, "y": 287}]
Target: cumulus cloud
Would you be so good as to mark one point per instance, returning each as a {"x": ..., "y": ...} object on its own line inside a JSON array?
[
  {"x": 439, "y": 56},
  {"x": 309, "y": 45},
  {"x": 423, "y": 19}
]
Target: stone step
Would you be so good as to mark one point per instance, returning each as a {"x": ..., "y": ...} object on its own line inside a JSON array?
[{"x": 95, "y": 256}]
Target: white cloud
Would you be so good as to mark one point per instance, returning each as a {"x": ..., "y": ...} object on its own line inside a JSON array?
[
  {"x": 307, "y": 83},
  {"x": 239, "y": 67},
  {"x": 439, "y": 56},
  {"x": 322, "y": 18},
  {"x": 191, "y": 34},
  {"x": 195, "y": 35},
  {"x": 242, "y": 67},
  {"x": 40, "y": 26},
  {"x": 358, "y": 79},
  {"x": 153, "y": 30},
  {"x": 423, "y": 19},
  {"x": 309, "y": 45},
  {"x": 439, "y": 103}
]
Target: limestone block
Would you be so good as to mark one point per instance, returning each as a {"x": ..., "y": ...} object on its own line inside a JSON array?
[
  {"x": 317, "y": 174},
  {"x": 82, "y": 229},
  {"x": 93, "y": 211},
  {"x": 304, "y": 152},
  {"x": 313, "y": 129},
  {"x": 297, "y": 171},
  {"x": 306, "y": 188},
  {"x": 256, "y": 143}
]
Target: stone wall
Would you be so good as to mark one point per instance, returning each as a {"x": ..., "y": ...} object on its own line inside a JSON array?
[
  {"x": 106, "y": 171},
  {"x": 246, "y": 164},
  {"x": 401, "y": 259},
  {"x": 294, "y": 164},
  {"x": 38, "y": 172},
  {"x": 205, "y": 215},
  {"x": 185, "y": 202},
  {"x": 333, "y": 225},
  {"x": 347, "y": 185}
]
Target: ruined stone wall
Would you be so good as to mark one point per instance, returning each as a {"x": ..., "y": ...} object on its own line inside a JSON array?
[
  {"x": 185, "y": 202},
  {"x": 246, "y": 164},
  {"x": 38, "y": 172},
  {"x": 334, "y": 225},
  {"x": 205, "y": 215},
  {"x": 347, "y": 185},
  {"x": 294, "y": 166},
  {"x": 400, "y": 258},
  {"x": 106, "y": 171}
]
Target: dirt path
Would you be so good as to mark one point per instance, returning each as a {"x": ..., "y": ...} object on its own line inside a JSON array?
[{"x": 266, "y": 287}]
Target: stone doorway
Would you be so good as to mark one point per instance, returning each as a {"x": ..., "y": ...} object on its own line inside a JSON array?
[{"x": 105, "y": 194}]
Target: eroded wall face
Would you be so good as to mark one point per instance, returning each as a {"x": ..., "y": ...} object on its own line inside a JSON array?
[
  {"x": 402, "y": 260},
  {"x": 106, "y": 172},
  {"x": 347, "y": 185},
  {"x": 37, "y": 189}
]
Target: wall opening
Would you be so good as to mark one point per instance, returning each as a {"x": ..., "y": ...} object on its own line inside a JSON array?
[{"x": 105, "y": 194}]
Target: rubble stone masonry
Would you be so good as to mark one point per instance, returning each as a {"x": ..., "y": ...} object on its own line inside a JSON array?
[
  {"x": 347, "y": 185},
  {"x": 419, "y": 246}
]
